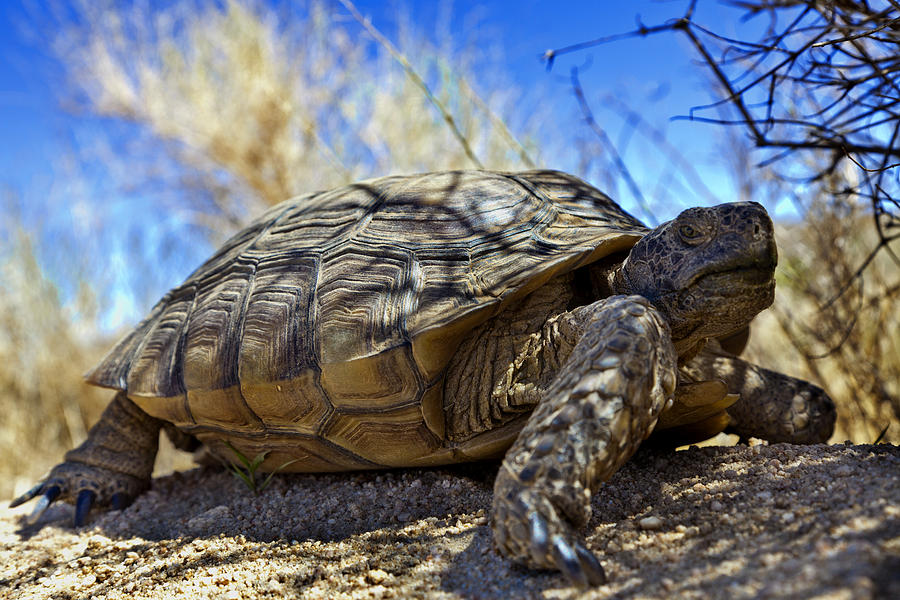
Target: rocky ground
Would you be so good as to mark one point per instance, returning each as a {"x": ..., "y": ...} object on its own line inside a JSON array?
[{"x": 717, "y": 522}]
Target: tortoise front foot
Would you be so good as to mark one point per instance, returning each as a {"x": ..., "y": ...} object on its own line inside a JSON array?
[
  {"x": 602, "y": 404},
  {"x": 528, "y": 529},
  {"x": 772, "y": 406},
  {"x": 109, "y": 470}
]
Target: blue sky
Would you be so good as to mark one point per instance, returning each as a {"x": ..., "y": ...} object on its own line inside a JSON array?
[
  {"x": 35, "y": 129},
  {"x": 656, "y": 76}
]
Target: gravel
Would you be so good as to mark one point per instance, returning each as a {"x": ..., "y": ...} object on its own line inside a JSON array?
[{"x": 742, "y": 522}]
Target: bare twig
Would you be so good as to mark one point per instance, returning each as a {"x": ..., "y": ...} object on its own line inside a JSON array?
[
  {"x": 609, "y": 146},
  {"x": 498, "y": 123},
  {"x": 674, "y": 155}
]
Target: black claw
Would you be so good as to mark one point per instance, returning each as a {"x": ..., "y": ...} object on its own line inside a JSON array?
[
  {"x": 27, "y": 495},
  {"x": 83, "y": 506},
  {"x": 567, "y": 561},
  {"x": 50, "y": 494},
  {"x": 590, "y": 565},
  {"x": 121, "y": 501},
  {"x": 539, "y": 536}
]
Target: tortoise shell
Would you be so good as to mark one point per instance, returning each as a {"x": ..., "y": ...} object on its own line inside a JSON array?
[{"x": 322, "y": 331}]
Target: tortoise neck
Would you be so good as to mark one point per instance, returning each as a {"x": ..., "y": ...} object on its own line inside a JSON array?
[{"x": 618, "y": 280}]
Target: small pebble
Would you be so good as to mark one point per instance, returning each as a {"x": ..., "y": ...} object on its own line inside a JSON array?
[
  {"x": 650, "y": 523},
  {"x": 376, "y": 576},
  {"x": 844, "y": 471}
]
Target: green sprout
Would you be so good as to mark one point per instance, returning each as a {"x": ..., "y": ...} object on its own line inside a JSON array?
[{"x": 247, "y": 474}]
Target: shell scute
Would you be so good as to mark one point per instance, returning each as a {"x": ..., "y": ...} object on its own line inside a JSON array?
[
  {"x": 211, "y": 346},
  {"x": 304, "y": 453},
  {"x": 368, "y": 294},
  {"x": 173, "y": 409},
  {"x": 223, "y": 409},
  {"x": 155, "y": 367},
  {"x": 392, "y": 438},
  {"x": 276, "y": 341},
  {"x": 297, "y": 405},
  {"x": 382, "y": 381}
]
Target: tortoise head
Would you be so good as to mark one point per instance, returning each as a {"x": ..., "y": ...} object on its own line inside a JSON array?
[{"x": 709, "y": 270}]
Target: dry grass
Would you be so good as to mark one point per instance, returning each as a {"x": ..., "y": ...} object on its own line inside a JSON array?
[
  {"x": 255, "y": 104},
  {"x": 44, "y": 350}
]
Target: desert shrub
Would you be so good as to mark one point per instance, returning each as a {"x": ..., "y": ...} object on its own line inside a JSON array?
[{"x": 251, "y": 103}]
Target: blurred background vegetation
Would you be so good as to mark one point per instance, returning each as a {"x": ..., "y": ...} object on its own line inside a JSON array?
[{"x": 212, "y": 111}]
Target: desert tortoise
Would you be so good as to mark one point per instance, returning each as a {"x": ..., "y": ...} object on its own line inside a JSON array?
[{"x": 449, "y": 317}]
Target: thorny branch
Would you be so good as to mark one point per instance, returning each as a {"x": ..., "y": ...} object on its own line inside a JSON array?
[{"x": 815, "y": 88}]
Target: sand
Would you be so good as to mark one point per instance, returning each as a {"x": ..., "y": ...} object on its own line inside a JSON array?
[{"x": 715, "y": 522}]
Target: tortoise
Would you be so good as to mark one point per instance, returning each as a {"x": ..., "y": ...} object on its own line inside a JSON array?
[{"x": 411, "y": 321}]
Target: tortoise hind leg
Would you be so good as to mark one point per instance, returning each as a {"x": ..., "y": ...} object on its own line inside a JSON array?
[
  {"x": 110, "y": 468},
  {"x": 603, "y": 403}
]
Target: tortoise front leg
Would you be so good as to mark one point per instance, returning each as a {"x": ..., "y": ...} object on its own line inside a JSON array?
[
  {"x": 603, "y": 403},
  {"x": 772, "y": 406},
  {"x": 110, "y": 468}
]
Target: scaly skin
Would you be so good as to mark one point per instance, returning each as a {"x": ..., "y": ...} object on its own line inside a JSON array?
[
  {"x": 604, "y": 402},
  {"x": 772, "y": 406},
  {"x": 110, "y": 468}
]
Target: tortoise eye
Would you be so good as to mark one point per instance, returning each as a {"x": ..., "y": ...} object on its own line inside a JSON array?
[{"x": 690, "y": 234}]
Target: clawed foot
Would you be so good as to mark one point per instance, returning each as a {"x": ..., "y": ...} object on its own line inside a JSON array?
[
  {"x": 87, "y": 486},
  {"x": 528, "y": 529}
]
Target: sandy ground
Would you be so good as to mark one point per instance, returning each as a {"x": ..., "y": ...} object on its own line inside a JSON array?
[{"x": 744, "y": 522}]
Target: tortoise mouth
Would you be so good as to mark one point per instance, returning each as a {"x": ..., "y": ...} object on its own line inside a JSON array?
[
  {"x": 735, "y": 279},
  {"x": 730, "y": 281}
]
